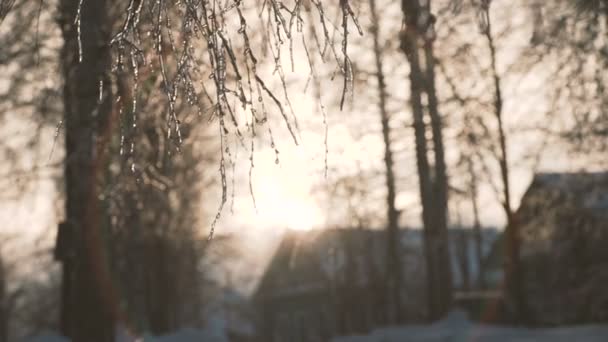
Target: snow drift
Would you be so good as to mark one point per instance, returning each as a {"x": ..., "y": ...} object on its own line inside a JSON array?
[{"x": 456, "y": 327}]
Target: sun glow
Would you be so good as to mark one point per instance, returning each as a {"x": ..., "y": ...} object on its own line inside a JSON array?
[
  {"x": 284, "y": 200},
  {"x": 282, "y": 192}
]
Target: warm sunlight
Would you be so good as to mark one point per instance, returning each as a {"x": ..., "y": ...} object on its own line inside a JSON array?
[
  {"x": 287, "y": 170},
  {"x": 285, "y": 202},
  {"x": 283, "y": 193}
]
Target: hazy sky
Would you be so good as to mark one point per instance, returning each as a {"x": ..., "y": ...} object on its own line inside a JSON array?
[{"x": 286, "y": 194}]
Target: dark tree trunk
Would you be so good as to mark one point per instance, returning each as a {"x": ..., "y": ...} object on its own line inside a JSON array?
[
  {"x": 393, "y": 274},
  {"x": 3, "y": 305},
  {"x": 513, "y": 281},
  {"x": 410, "y": 47},
  {"x": 463, "y": 258},
  {"x": 432, "y": 180},
  {"x": 160, "y": 294},
  {"x": 481, "y": 281},
  {"x": 440, "y": 186},
  {"x": 87, "y": 310}
]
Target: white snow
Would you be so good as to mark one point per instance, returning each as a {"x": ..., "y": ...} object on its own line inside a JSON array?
[
  {"x": 187, "y": 335},
  {"x": 47, "y": 337},
  {"x": 457, "y": 328},
  {"x": 454, "y": 328},
  {"x": 183, "y": 335}
]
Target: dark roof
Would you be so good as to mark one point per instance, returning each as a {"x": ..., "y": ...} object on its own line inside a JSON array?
[
  {"x": 588, "y": 189},
  {"x": 555, "y": 203},
  {"x": 306, "y": 261}
]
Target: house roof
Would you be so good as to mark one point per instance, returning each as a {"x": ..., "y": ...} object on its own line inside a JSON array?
[
  {"x": 557, "y": 202},
  {"x": 549, "y": 192},
  {"x": 590, "y": 189},
  {"x": 580, "y": 190},
  {"x": 307, "y": 261}
]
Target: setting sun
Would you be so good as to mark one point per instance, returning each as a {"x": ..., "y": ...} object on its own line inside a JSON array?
[{"x": 283, "y": 193}]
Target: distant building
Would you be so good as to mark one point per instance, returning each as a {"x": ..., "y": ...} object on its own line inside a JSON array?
[
  {"x": 324, "y": 283},
  {"x": 563, "y": 219}
]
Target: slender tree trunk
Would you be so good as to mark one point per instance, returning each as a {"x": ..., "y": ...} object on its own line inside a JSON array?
[
  {"x": 432, "y": 180},
  {"x": 394, "y": 272},
  {"x": 463, "y": 251},
  {"x": 460, "y": 243},
  {"x": 161, "y": 295},
  {"x": 3, "y": 304},
  {"x": 440, "y": 186},
  {"x": 87, "y": 309},
  {"x": 481, "y": 281},
  {"x": 513, "y": 279},
  {"x": 409, "y": 46}
]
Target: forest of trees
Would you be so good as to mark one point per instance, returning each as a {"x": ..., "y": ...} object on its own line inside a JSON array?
[{"x": 139, "y": 109}]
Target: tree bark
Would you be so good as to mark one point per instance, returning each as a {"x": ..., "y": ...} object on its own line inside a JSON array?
[
  {"x": 87, "y": 313},
  {"x": 409, "y": 45},
  {"x": 481, "y": 280},
  {"x": 432, "y": 180},
  {"x": 394, "y": 271},
  {"x": 463, "y": 258},
  {"x": 513, "y": 281},
  {"x": 440, "y": 184},
  {"x": 3, "y": 304}
]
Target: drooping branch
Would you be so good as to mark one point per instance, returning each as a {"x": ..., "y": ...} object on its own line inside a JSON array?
[
  {"x": 165, "y": 39},
  {"x": 5, "y": 7}
]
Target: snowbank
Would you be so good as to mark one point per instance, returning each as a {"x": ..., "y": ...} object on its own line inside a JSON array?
[
  {"x": 184, "y": 335},
  {"x": 187, "y": 335},
  {"x": 457, "y": 328},
  {"x": 47, "y": 337}
]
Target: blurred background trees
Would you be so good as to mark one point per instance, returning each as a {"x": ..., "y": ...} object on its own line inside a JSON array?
[{"x": 175, "y": 92}]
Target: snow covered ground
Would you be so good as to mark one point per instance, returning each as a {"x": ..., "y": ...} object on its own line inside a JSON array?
[
  {"x": 457, "y": 328},
  {"x": 184, "y": 335}
]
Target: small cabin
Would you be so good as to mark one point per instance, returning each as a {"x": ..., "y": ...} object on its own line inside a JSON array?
[
  {"x": 332, "y": 282},
  {"x": 563, "y": 222}
]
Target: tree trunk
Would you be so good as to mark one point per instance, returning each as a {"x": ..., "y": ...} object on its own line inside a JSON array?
[
  {"x": 160, "y": 294},
  {"x": 3, "y": 304},
  {"x": 433, "y": 192},
  {"x": 463, "y": 258},
  {"x": 440, "y": 185},
  {"x": 87, "y": 312},
  {"x": 394, "y": 271},
  {"x": 424, "y": 181},
  {"x": 481, "y": 280},
  {"x": 513, "y": 282}
]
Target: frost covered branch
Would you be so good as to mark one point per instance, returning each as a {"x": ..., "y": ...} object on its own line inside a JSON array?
[{"x": 210, "y": 55}]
